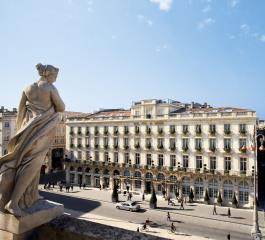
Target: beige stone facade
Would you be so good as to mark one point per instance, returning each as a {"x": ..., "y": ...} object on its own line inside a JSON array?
[
  {"x": 7, "y": 127},
  {"x": 166, "y": 144}
]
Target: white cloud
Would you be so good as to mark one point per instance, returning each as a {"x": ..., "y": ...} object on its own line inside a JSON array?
[
  {"x": 244, "y": 28},
  {"x": 233, "y": 3},
  {"x": 164, "y": 5},
  {"x": 142, "y": 18},
  {"x": 262, "y": 38},
  {"x": 205, "y": 23},
  {"x": 208, "y": 8}
]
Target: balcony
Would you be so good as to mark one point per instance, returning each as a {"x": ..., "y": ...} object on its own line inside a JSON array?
[
  {"x": 87, "y": 145},
  {"x": 198, "y": 131},
  {"x": 227, "y": 149},
  {"x": 87, "y": 133},
  {"x": 212, "y": 148},
  {"x": 79, "y": 132},
  {"x": 243, "y": 149},
  {"x": 72, "y": 145},
  {"x": 243, "y": 173},
  {"x": 172, "y": 148},
  {"x": 148, "y": 146},
  {"x": 126, "y": 146},
  {"x": 160, "y": 146},
  {"x": 148, "y": 130},
  {"x": 185, "y": 131},
  {"x": 72, "y": 133},
  {"x": 136, "y": 145},
  {"x": 243, "y": 131},
  {"x": 185, "y": 148},
  {"x": 115, "y": 146},
  {"x": 116, "y": 132},
  {"x": 172, "y": 131},
  {"x": 137, "y": 130},
  {"x": 227, "y": 131},
  {"x": 126, "y": 131},
  {"x": 106, "y": 132},
  {"x": 212, "y": 132},
  {"x": 96, "y": 146},
  {"x": 160, "y": 131},
  {"x": 96, "y": 132},
  {"x": 106, "y": 146},
  {"x": 198, "y": 148},
  {"x": 79, "y": 145},
  {"x": 226, "y": 172}
]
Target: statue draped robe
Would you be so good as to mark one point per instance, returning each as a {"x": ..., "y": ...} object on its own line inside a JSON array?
[{"x": 27, "y": 149}]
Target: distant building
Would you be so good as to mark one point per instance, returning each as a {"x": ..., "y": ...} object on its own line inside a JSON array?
[
  {"x": 55, "y": 157},
  {"x": 7, "y": 127},
  {"x": 168, "y": 145}
]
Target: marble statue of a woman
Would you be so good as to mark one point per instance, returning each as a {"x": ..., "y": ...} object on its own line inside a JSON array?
[{"x": 37, "y": 117}]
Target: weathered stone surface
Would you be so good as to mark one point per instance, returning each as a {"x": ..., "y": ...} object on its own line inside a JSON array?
[
  {"x": 41, "y": 212},
  {"x": 68, "y": 228}
]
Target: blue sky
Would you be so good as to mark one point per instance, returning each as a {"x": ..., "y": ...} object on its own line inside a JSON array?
[{"x": 113, "y": 52}]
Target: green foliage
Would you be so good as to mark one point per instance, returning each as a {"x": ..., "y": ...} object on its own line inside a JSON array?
[
  {"x": 234, "y": 200},
  {"x": 191, "y": 195},
  {"x": 219, "y": 198},
  {"x": 153, "y": 199},
  {"x": 206, "y": 196},
  {"x": 115, "y": 195}
]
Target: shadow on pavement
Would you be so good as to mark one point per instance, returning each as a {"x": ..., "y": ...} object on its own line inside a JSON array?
[{"x": 69, "y": 202}]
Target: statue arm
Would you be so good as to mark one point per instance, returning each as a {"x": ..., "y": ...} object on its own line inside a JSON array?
[
  {"x": 21, "y": 111},
  {"x": 56, "y": 100}
]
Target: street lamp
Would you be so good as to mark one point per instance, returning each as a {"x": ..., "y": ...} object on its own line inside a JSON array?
[{"x": 255, "y": 231}]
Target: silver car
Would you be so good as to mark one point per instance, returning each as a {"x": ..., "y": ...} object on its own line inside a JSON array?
[{"x": 129, "y": 206}]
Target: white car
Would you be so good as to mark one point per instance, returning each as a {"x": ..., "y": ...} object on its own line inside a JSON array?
[{"x": 129, "y": 206}]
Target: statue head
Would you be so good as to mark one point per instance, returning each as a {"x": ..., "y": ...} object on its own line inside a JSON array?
[{"x": 48, "y": 71}]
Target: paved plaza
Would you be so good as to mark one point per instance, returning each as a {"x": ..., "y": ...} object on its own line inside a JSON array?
[{"x": 195, "y": 214}]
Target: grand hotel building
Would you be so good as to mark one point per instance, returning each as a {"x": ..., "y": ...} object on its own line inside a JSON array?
[{"x": 169, "y": 145}]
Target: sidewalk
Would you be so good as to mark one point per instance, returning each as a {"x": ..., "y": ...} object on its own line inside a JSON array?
[{"x": 238, "y": 216}]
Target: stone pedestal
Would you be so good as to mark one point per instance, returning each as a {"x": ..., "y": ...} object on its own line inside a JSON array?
[{"x": 43, "y": 211}]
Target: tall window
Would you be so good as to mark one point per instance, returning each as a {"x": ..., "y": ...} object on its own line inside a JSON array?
[
  {"x": 185, "y": 128},
  {"x": 185, "y": 143},
  {"x": 198, "y": 161},
  {"x": 172, "y": 143},
  {"x": 96, "y": 140},
  {"x": 213, "y": 188},
  {"x": 172, "y": 129},
  {"x": 149, "y": 159},
  {"x": 137, "y": 159},
  {"x": 227, "y": 143},
  {"x": 126, "y": 158},
  {"x": 79, "y": 155},
  {"x": 186, "y": 186},
  {"x": 227, "y": 128},
  {"x": 212, "y": 143},
  {"x": 227, "y": 163},
  {"x": 212, "y": 128},
  {"x": 172, "y": 160},
  {"x": 126, "y": 142},
  {"x": 228, "y": 190},
  {"x": 185, "y": 161},
  {"x": 242, "y": 142},
  {"x": 116, "y": 157},
  {"x": 87, "y": 155},
  {"x": 106, "y": 157},
  {"x": 242, "y": 128},
  {"x": 212, "y": 163},
  {"x": 160, "y": 160},
  {"x": 199, "y": 187},
  {"x": 198, "y": 143},
  {"x": 243, "y": 192},
  {"x": 106, "y": 141},
  {"x": 198, "y": 129},
  {"x": 96, "y": 156},
  {"x": 243, "y": 164},
  {"x": 160, "y": 142},
  {"x": 116, "y": 142},
  {"x": 126, "y": 129}
]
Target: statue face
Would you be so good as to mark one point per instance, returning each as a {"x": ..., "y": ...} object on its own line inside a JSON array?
[{"x": 52, "y": 77}]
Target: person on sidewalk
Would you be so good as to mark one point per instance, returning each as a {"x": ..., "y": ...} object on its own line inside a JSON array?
[
  {"x": 143, "y": 197},
  {"x": 137, "y": 229},
  {"x": 168, "y": 200},
  {"x": 181, "y": 205},
  {"x": 80, "y": 185},
  {"x": 147, "y": 221},
  {"x": 228, "y": 236},
  {"x": 229, "y": 212},
  {"x": 168, "y": 216},
  {"x": 173, "y": 228},
  {"x": 72, "y": 187},
  {"x": 214, "y": 210}
]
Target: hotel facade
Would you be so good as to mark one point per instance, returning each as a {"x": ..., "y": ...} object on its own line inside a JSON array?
[{"x": 168, "y": 145}]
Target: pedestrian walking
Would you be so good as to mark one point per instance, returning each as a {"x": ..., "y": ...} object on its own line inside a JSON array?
[
  {"x": 229, "y": 212},
  {"x": 182, "y": 205},
  {"x": 67, "y": 188},
  {"x": 84, "y": 186},
  {"x": 99, "y": 186},
  {"x": 137, "y": 229},
  {"x": 168, "y": 216},
  {"x": 143, "y": 197},
  {"x": 228, "y": 236},
  {"x": 53, "y": 183},
  {"x": 72, "y": 187},
  {"x": 130, "y": 196},
  {"x": 214, "y": 210},
  {"x": 168, "y": 200},
  {"x": 80, "y": 185}
]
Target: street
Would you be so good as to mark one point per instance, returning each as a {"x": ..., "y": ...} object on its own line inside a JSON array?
[{"x": 199, "y": 226}]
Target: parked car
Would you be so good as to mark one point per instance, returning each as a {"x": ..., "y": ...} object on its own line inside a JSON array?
[{"x": 129, "y": 206}]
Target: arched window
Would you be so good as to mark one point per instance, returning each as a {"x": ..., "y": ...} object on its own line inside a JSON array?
[
  {"x": 127, "y": 173},
  {"x": 96, "y": 171},
  {"x": 116, "y": 172},
  {"x": 213, "y": 188},
  {"x": 72, "y": 168},
  {"x": 149, "y": 175},
  {"x": 243, "y": 193},
  {"x": 228, "y": 190},
  {"x": 173, "y": 178},
  {"x": 160, "y": 177},
  {"x": 138, "y": 174},
  {"x": 185, "y": 186},
  {"x": 106, "y": 172},
  {"x": 79, "y": 169},
  {"x": 199, "y": 188}
]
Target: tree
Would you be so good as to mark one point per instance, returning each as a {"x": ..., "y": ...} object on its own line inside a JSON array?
[
  {"x": 234, "y": 200},
  {"x": 191, "y": 196},
  {"x": 219, "y": 199},
  {"x": 115, "y": 195},
  {"x": 206, "y": 197},
  {"x": 153, "y": 199}
]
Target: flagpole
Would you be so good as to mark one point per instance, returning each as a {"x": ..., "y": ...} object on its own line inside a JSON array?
[{"x": 255, "y": 231}]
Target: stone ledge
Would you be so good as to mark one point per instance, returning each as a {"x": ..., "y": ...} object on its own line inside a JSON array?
[
  {"x": 41, "y": 212},
  {"x": 68, "y": 228}
]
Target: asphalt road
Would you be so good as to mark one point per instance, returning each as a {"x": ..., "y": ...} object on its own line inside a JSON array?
[{"x": 191, "y": 225}]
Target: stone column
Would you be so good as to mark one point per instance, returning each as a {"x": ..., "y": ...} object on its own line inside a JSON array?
[
  {"x": 83, "y": 178},
  {"x": 92, "y": 180},
  {"x": 76, "y": 178},
  {"x": 101, "y": 180},
  {"x": 111, "y": 182},
  {"x": 122, "y": 184}
]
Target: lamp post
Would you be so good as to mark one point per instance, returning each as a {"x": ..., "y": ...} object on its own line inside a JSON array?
[{"x": 255, "y": 231}]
